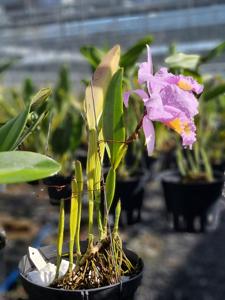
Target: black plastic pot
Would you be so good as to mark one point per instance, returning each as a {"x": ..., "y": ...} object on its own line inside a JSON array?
[
  {"x": 2, "y": 238},
  {"x": 190, "y": 201},
  {"x": 219, "y": 166},
  {"x": 59, "y": 187},
  {"x": 122, "y": 291},
  {"x": 131, "y": 193}
]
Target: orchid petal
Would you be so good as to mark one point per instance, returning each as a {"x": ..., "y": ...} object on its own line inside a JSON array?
[
  {"x": 149, "y": 134},
  {"x": 144, "y": 73},
  {"x": 142, "y": 94},
  {"x": 175, "y": 97}
]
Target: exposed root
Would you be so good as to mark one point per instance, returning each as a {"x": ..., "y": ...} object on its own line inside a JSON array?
[{"x": 103, "y": 265}]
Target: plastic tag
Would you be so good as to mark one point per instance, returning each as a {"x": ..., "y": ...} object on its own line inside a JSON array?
[{"x": 36, "y": 258}]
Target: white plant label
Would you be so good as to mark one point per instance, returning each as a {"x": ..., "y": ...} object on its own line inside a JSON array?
[{"x": 36, "y": 258}]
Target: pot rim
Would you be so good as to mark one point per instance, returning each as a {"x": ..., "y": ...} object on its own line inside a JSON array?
[{"x": 165, "y": 178}]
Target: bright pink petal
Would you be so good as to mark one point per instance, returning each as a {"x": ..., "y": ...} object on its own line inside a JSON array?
[
  {"x": 144, "y": 74},
  {"x": 165, "y": 76},
  {"x": 157, "y": 111},
  {"x": 142, "y": 94},
  {"x": 175, "y": 97},
  {"x": 149, "y": 134}
]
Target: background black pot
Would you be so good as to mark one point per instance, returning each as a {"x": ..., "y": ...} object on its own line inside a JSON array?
[
  {"x": 219, "y": 166},
  {"x": 59, "y": 187},
  {"x": 122, "y": 291},
  {"x": 131, "y": 193},
  {"x": 187, "y": 202},
  {"x": 2, "y": 238}
]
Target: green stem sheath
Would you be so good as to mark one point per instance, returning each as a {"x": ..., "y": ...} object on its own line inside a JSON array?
[
  {"x": 60, "y": 236},
  {"x": 117, "y": 218},
  {"x": 91, "y": 165},
  {"x": 73, "y": 221},
  {"x": 79, "y": 178}
]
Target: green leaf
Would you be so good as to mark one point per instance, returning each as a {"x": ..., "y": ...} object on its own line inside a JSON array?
[
  {"x": 181, "y": 162},
  {"x": 121, "y": 153},
  {"x": 129, "y": 58},
  {"x": 217, "y": 51},
  {"x": 206, "y": 164},
  {"x": 92, "y": 54},
  {"x": 182, "y": 60},
  {"x": 214, "y": 92},
  {"x": 95, "y": 92},
  {"x": 38, "y": 110},
  {"x": 11, "y": 131},
  {"x": 113, "y": 123},
  {"x": 110, "y": 187},
  {"x": 24, "y": 166}
]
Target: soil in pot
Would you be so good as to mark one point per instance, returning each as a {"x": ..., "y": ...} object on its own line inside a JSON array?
[
  {"x": 123, "y": 290},
  {"x": 189, "y": 203}
]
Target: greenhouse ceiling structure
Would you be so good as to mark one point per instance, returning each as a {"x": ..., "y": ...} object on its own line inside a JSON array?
[{"x": 46, "y": 33}]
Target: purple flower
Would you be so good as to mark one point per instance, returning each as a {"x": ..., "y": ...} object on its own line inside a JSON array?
[{"x": 170, "y": 99}]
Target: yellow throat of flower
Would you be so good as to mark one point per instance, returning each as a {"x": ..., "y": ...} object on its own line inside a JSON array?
[
  {"x": 178, "y": 126},
  {"x": 184, "y": 85}
]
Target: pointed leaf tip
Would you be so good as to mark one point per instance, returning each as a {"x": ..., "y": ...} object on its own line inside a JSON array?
[{"x": 95, "y": 93}]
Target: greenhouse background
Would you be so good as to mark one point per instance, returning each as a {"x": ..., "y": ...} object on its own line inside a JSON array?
[
  {"x": 52, "y": 32},
  {"x": 173, "y": 200}
]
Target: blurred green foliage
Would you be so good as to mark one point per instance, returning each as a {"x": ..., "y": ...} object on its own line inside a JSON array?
[
  {"x": 66, "y": 121},
  {"x": 22, "y": 166},
  {"x": 60, "y": 132}
]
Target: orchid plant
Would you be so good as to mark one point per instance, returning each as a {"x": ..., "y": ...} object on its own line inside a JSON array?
[
  {"x": 134, "y": 162},
  {"x": 167, "y": 98}
]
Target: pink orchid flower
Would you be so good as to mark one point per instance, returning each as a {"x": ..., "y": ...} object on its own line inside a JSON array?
[{"x": 170, "y": 99}]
